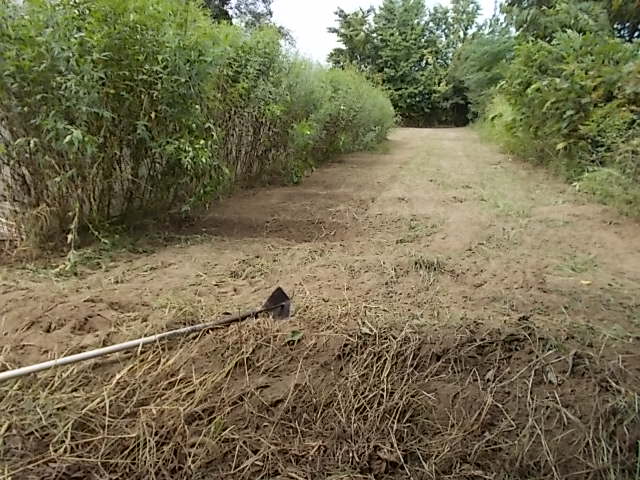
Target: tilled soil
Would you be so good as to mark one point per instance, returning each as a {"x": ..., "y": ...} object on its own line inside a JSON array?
[{"x": 459, "y": 314}]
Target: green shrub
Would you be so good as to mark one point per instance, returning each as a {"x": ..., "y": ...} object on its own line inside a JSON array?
[
  {"x": 105, "y": 105},
  {"x": 409, "y": 48},
  {"x": 114, "y": 108},
  {"x": 496, "y": 124},
  {"x": 338, "y": 112},
  {"x": 567, "y": 97},
  {"x": 573, "y": 104}
]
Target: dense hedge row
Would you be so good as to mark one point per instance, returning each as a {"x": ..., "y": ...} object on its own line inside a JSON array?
[
  {"x": 578, "y": 104},
  {"x": 564, "y": 91},
  {"x": 110, "y": 108}
]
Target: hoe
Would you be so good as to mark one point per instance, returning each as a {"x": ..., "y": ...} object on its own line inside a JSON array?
[{"x": 278, "y": 305}]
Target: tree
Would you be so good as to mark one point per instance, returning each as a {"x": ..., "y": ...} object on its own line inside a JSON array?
[
  {"x": 247, "y": 12},
  {"x": 480, "y": 64},
  {"x": 409, "y": 49},
  {"x": 354, "y": 32},
  {"x": 440, "y": 34},
  {"x": 220, "y": 9},
  {"x": 448, "y": 31},
  {"x": 402, "y": 57},
  {"x": 449, "y": 27},
  {"x": 252, "y": 12},
  {"x": 464, "y": 15},
  {"x": 543, "y": 19}
]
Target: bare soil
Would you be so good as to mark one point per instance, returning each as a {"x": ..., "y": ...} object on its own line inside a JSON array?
[{"x": 463, "y": 316}]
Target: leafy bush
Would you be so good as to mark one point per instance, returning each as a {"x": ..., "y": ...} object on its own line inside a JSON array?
[
  {"x": 113, "y": 108},
  {"x": 495, "y": 123},
  {"x": 568, "y": 96},
  {"x": 544, "y": 19},
  {"x": 612, "y": 187},
  {"x": 105, "y": 105}
]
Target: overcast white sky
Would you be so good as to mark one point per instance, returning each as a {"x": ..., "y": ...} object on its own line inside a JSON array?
[{"x": 308, "y": 21}]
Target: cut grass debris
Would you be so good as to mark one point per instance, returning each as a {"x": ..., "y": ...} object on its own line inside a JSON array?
[
  {"x": 419, "y": 230},
  {"x": 392, "y": 402},
  {"x": 579, "y": 264},
  {"x": 509, "y": 208},
  {"x": 428, "y": 265}
]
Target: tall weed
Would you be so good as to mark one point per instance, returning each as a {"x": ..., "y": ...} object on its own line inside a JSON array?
[
  {"x": 110, "y": 109},
  {"x": 105, "y": 106}
]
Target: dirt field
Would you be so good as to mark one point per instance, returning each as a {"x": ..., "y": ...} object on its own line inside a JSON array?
[{"x": 459, "y": 315}]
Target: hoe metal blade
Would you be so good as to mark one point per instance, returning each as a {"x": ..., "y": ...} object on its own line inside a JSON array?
[{"x": 279, "y": 304}]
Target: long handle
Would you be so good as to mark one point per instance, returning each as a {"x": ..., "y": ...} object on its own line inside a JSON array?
[{"x": 100, "y": 352}]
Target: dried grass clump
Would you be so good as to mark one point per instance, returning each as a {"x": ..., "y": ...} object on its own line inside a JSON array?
[{"x": 375, "y": 403}]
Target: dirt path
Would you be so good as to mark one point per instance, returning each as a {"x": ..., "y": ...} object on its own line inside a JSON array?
[
  {"x": 439, "y": 231},
  {"x": 442, "y": 228}
]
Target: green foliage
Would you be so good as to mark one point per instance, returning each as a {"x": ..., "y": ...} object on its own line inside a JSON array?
[
  {"x": 480, "y": 65},
  {"x": 93, "y": 100},
  {"x": 495, "y": 123},
  {"x": 113, "y": 108},
  {"x": 354, "y": 31},
  {"x": 248, "y": 12},
  {"x": 543, "y": 19},
  {"x": 565, "y": 91},
  {"x": 452, "y": 26},
  {"x": 408, "y": 49},
  {"x": 401, "y": 57},
  {"x": 568, "y": 99},
  {"x": 612, "y": 187},
  {"x": 219, "y": 10},
  {"x": 534, "y": 17},
  {"x": 334, "y": 111},
  {"x": 625, "y": 18}
]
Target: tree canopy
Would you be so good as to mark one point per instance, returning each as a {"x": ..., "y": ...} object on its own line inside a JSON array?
[
  {"x": 247, "y": 12},
  {"x": 408, "y": 48},
  {"x": 622, "y": 15}
]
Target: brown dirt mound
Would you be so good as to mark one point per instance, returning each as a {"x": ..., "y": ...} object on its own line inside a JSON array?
[{"x": 377, "y": 402}]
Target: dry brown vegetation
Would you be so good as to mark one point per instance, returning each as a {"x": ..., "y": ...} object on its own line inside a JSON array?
[
  {"x": 458, "y": 316},
  {"x": 381, "y": 401}
]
